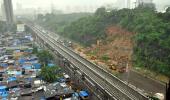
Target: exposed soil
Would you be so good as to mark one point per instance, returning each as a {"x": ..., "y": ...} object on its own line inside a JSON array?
[
  {"x": 114, "y": 54},
  {"x": 115, "y": 51}
]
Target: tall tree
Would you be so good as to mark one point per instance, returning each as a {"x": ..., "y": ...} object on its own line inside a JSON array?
[
  {"x": 50, "y": 74},
  {"x": 44, "y": 57},
  {"x": 100, "y": 11},
  {"x": 168, "y": 10}
]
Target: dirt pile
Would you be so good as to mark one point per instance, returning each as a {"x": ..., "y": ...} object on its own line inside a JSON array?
[{"x": 114, "y": 52}]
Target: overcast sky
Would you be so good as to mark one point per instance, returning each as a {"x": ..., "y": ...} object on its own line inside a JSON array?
[{"x": 63, "y": 4}]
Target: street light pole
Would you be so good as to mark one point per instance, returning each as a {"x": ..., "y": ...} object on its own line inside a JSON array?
[
  {"x": 128, "y": 72},
  {"x": 168, "y": 91}
]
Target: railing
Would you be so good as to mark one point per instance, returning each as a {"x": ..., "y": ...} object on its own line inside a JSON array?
[{"x": 112, "y": 85}]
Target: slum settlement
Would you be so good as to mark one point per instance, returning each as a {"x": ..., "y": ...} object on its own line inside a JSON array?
[{"x": 22, "y": 76}]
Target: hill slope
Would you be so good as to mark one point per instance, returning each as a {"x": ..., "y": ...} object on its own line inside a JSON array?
[
  {"x": 150, "y": 43},
  {"x": 140, "y": 35}
]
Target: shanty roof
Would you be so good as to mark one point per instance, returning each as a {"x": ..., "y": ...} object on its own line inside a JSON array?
[{"x": 56, "y": 89}]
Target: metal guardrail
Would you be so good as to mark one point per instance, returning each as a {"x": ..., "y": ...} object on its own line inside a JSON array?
[
  {"x": 113, "y": 81},
  {"x": 114, "y": 92},
  {"x": 121, "y": 83},
  {"x": 105, "y": 72}
]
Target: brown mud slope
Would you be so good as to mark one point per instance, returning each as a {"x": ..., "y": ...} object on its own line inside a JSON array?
[
  {"x": 115, "y": 50},
  {"x": 113, "y": 53}
]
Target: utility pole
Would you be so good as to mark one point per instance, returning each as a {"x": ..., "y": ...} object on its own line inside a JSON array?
[
  {"x": 128, "y": 72},
  {"x": 168, "y": 91}
]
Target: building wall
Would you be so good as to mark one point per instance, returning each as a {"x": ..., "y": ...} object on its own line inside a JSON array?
[
  {"x": 9, "y": 11},
  {"x": 2, "y": 15}
]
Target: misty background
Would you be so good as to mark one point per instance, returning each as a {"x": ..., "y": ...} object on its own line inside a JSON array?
[{"x": 69, "y": 6}]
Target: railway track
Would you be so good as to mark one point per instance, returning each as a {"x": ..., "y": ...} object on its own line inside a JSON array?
[{"x": 114, "y": 87}]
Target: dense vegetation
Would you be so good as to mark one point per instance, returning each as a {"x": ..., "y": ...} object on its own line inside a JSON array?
[
  {"x": 152, "y": 38},
  {"x": 57, "y": 22},
  {"x": 50, "y": 74},
  {"x": 44, "y": 57}
]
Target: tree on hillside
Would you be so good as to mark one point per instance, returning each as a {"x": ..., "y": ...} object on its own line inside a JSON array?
[
  {"x": 168, "y": 10},
  {"x": 151, "y": 41},
  {"x": 100, "y": 11},
  {"x": 40, "y": 16},
  {"x": 149, "y": 6}
]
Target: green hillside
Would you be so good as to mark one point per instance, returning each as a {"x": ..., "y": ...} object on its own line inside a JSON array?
[{"x": 151, "y": 41}]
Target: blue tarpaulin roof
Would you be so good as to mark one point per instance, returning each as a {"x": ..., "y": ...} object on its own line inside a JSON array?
[
  {"x": 75, "y": 94},
  {"x": 18, "y": 73},
  {"x": 5, "y": 98},
  {"x": 17, "y": 51},
  {"x": 4, "y": 65},
  {"x": 83, "y": 93},
  {"x": 27, "y": 67},
  {"x": 42, "y": 98},
  {"x": 37, "y": 65},
  {"x": 2, "y": 88},
  {"x": 21, "y": 60},
  {"x": 14, "y": 72},
  {"x": 10, "y": 79},
  {"x": 51, "y": 65},
  {"x": 3, "y": 92},
  {"x": 29, "y": 79}
]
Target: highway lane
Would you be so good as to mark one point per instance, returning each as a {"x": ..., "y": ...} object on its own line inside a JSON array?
[{"x": 106, "y": 80}]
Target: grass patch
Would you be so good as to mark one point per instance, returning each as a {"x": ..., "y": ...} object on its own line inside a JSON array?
[
  {"x": 93, "y": 52},
  {"x": 105, "y": 58}
]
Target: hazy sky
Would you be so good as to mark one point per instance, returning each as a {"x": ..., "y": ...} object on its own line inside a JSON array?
[
  {"x": 61, "y": 3},
  {"x": 76, "y": 4}
]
